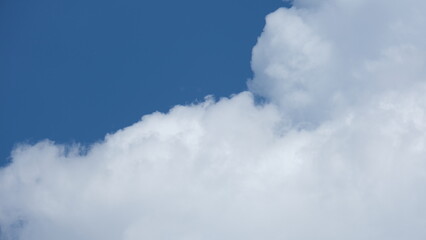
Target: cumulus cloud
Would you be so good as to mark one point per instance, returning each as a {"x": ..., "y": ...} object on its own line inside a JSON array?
[
  {"x": 337, "y": 152},
  {"x": 317, "y": 61}
]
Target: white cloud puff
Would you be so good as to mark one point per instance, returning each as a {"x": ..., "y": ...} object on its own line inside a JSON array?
[
  {"x": 319, "y": 60},
  {"x": 338, "y": 152}
]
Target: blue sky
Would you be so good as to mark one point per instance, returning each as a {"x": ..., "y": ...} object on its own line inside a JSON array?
[
  {"x": 336, "y": 151},
  {"x": 72, "y": 71}
]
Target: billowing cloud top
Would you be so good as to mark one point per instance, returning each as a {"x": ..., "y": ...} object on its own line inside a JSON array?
[
  {"x": 316, "y": 62},
  {"x": 338, "y": 152}
]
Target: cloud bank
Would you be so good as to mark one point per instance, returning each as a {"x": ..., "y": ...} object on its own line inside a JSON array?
[{"x": 337, "y": 152}]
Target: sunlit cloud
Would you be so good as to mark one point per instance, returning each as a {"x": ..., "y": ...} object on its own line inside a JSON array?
[{"x": 336, "y": 152}]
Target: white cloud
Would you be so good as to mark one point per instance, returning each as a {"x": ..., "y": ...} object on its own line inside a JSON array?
[
  {"x": 338, "y": 153},
  {"x": 315, "y": 62}
]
